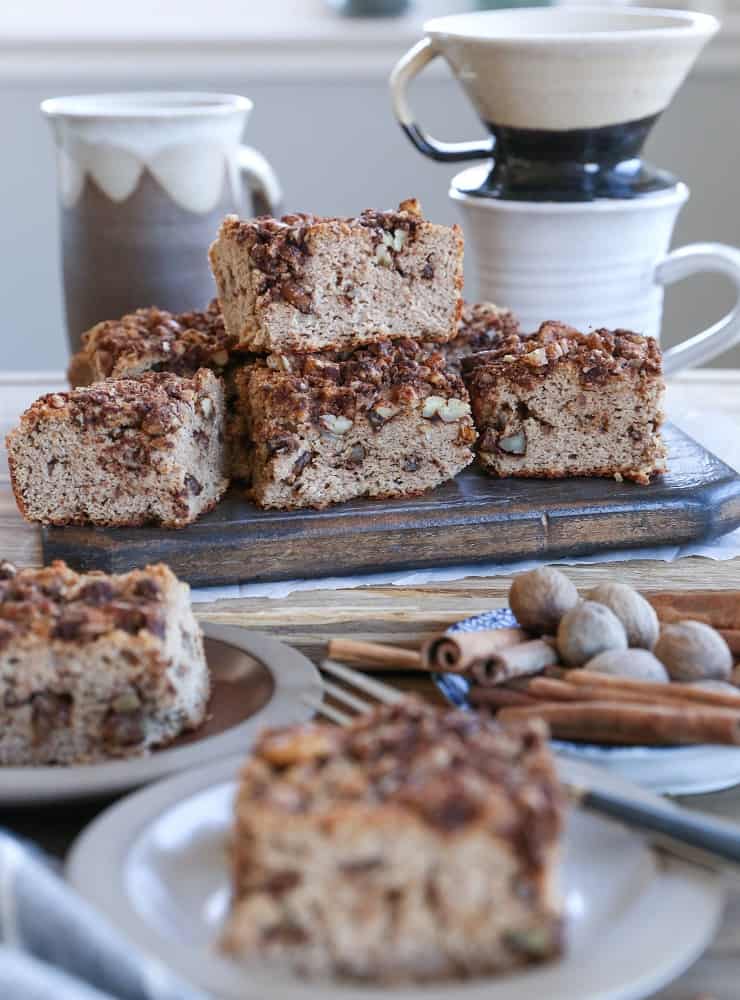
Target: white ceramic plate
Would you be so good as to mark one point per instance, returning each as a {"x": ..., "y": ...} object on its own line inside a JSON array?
[
  {"x": 167, "y": 888},
  {"x": 689, "y": 770},
  {"x": 256, "y": 682}
]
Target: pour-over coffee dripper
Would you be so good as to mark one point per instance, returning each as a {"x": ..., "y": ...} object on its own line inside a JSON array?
[
  {"x": 568, "y": 94},
  {"x": 566, "y": 221}
]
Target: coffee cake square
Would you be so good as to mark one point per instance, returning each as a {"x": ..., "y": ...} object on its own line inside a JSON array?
[
  {"x": 122, "y": 452},
  {"x": 564, "y": 403},
  {"x": 419, "y": 843},
  {"x": 93, "y": 666},
  {"x": 386, "y": 420},
  {"x": 305, "y": 283}
]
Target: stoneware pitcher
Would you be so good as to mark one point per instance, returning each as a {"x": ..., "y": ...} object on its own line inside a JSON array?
[{"x": 144, "y": 181}]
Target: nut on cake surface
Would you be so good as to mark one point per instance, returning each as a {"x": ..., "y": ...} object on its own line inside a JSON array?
[
  {"x": 385, "y": 420},
  {"x": 94, "y": 666},
  {"x": 565, "y": 403},
  {"x": 418, "y": 843},
  {"x": 305, "y": 283}
]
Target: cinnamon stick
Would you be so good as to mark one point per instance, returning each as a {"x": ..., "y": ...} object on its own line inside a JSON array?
[
  {"x": 498, "y": 697},
  {"x": 683, "y": 693},
  {"x": 455, "y": 653},
  {"x": 550, "y": 689},
  {"x": 374, "y": 654},
  {"x": 718, "y": 608},
  {"x": 622, "y": 722},
  {"x": 517, "y": 661}
]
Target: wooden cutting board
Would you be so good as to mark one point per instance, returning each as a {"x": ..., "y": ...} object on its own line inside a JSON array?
[{"x": 472, "y": 519}]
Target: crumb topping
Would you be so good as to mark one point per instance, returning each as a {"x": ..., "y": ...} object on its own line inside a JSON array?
[
  {"x": 56, "y": 604},
  {"x": 152, "y": 405},
  {"x": 180, "y": 342},
  {"x": 482, "y": 327},
  {"x": 376, "y": 381},
  {"x": 450, "y": 768},
  {"x": 598, "y": 356}
]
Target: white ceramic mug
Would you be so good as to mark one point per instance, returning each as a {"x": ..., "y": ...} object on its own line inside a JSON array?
[
  {"x": 593, "y": 264},
  {"x": 144, "y": 180}
]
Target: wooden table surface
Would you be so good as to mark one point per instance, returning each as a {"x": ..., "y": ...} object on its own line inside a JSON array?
[{"x": 406, "y": 615}]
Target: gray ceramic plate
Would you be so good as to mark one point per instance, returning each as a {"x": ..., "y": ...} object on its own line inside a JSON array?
[
  {"x": 167, "y": 889},
  {"x": 256, "y": 682},
  {"x": 690, "y": 770}
]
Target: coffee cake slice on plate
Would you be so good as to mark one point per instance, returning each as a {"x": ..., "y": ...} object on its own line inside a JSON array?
[
  {"x": 122, "y": 452},
  {"x": 417, "y": 844},
  {"x": 94, "y": 667},
  {"x": 305, "y": 283},
  {"x": 564, "y": 403},
  {"x": 386, "y": 420}
]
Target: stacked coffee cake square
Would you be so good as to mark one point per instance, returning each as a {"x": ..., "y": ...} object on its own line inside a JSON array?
[
  {"x": 338, "y": 362},
  {"x": 350, "y": 397}
]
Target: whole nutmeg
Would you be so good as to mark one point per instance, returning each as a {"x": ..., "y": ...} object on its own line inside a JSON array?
[
  {"x": 587, "y": 630},
  {"x": 634, "y": 612},
  {"x": 639, "y": 664},
  {"x": 540, "y": 598},
  {"x": 693, "y": 651}
]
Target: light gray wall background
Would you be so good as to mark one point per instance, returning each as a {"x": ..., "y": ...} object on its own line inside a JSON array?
[{"x": 338, "y": 149}]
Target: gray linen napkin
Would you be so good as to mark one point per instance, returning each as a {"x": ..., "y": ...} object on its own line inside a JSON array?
[{"x": 55, "y": 946}]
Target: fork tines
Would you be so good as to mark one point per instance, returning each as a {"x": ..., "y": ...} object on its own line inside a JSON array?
[{"x": 350, "y": 679}]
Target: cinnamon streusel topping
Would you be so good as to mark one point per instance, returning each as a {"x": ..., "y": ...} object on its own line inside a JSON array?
[
  {"x": 302, "y": 388},
  {"x": 151, "y": 404},
  {"x": 598, "y": 356},
  {"x": 55, "y": 603},
  {"x": 183, "y": 342}
]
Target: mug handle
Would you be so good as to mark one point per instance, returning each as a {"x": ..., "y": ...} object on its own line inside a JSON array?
[
  {"x": 267, "y": 194},
  {"x": 403, "y": 73},
  {"x": 697, "y": 259}
]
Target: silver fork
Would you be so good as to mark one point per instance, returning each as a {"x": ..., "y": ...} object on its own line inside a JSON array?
[
  {"x": 381, "y": 692},
  {"x": 693, "y": 836}
]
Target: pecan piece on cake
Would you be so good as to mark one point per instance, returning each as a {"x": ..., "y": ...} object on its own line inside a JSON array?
[
  {"x": 305, "y": 283},
  {"x": 419, "y": 843},
  {"x": 122, "y": 452},
  {"x": 94, "y": 666},
  {"x": 563, "y": 403},
  {"x": 152, "y": 340},
  {"x": 385, "y": 420}
]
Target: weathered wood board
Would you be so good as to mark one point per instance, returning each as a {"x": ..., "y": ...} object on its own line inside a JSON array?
[{"x": 473, "y": 519}]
